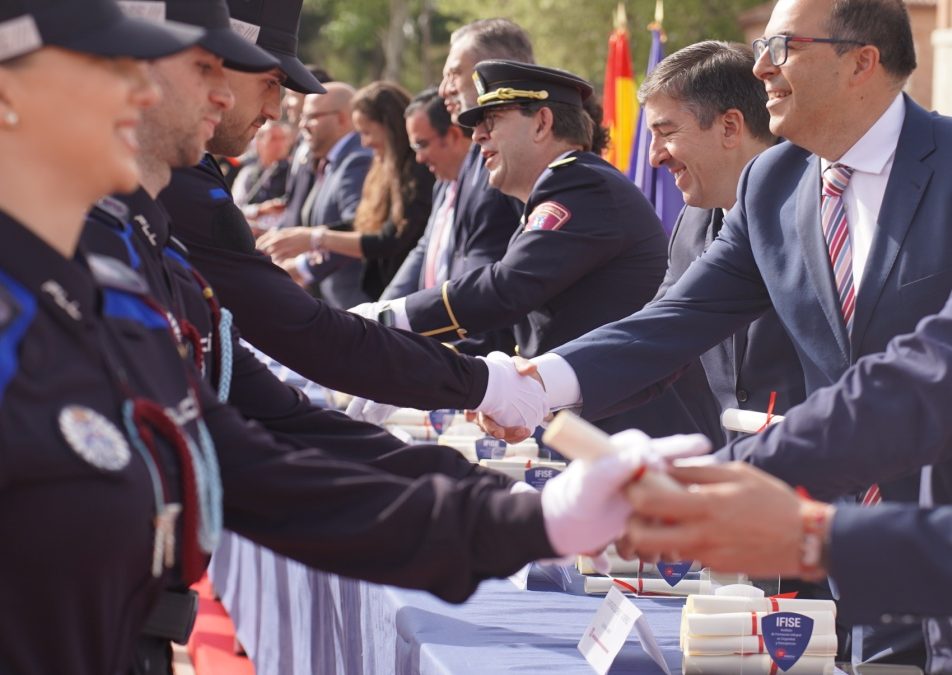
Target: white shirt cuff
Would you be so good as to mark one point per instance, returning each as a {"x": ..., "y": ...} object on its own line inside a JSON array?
[
  {"x": 303, "y": 265},
  {"x": 561, "y": 384},
  {"x": 400, "y": 319}
]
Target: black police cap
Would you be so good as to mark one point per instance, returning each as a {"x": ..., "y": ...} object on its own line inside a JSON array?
[
  {"x": 237, "y": 52},
  {"x": 95, "y": 27},
  {"x": 501, "y": 82},
  {"x": 273, "y": 26}
]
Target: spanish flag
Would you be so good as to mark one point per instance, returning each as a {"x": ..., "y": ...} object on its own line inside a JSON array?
[{"x": 619, "y": 95}]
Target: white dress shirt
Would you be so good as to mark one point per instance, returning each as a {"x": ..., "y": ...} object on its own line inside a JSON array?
[{"x": 871, "y": 157}]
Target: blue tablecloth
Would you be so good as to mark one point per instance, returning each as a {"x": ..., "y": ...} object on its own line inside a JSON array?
[{"x": 296, "y": 621}]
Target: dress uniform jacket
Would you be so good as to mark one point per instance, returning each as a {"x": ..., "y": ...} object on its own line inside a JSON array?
[
  {"x": 79, "y": 345},
  {"x": 758, "y": 359},
  {"x": 135, "y": 229},
  {"x": 484, "y": 221},
  {"x": 590, "y": 251},
  {"x": 771, "y": 253},
  {"x": 336, "y": 196},
  {"x": 335, "y": 348}
]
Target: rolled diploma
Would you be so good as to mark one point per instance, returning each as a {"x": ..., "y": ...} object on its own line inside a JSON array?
[
  {"x": 746, "y": 421},
  {"x": 467, "y": 445},
  {"x": 409, "y": 416},
  {"x": 618, "y": 565},
  {"x": 577, "y": 439},
  {"x": 418, "y": 432},
  {"x": 725, "y": 645},
  {"x": 742, "y": 623},
  {"x": 601, "y": 586},
  {"x": 721, "y": 604},
  {"x": 754, "y": 664},
  {"x": 516, "y": 468}
]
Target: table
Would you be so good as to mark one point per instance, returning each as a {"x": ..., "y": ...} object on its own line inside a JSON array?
[{"x": 296, "y": 621}]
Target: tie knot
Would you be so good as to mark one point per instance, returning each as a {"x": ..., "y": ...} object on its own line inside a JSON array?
[{"x": 835, "y": 179}]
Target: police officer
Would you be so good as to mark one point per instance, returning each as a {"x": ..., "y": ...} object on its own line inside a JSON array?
[
  {"x": 333, "y": 347},
  {"x": 590, "y": 248},
  {"x": 111, "y": 479}
]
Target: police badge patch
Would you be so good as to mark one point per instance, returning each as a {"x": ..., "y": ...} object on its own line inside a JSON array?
[
  {"x": 547, "y": 216},
  {"x": 94, "y": 438}
]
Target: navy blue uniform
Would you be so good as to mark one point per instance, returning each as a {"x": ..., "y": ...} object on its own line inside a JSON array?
[
  {"x": 77, "y": 491},
  {"x": 335, "y": 348},
  {"x": 590, "y": 251}
]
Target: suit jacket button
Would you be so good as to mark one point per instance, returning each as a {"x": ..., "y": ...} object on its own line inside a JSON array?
[{"x": 742, "y": 395}]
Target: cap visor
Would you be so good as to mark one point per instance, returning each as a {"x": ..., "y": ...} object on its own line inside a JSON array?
[
  {"x": 473, "y": 116},
  {"x": 138, "y": 39},
  {"x": 238, "y": 53},
  {"x": 299, "y": 78}
]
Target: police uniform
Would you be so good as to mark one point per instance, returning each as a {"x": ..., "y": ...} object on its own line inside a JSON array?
[
  {"x": 330, "y": 346},
  {"x": 590, "y": 250}
]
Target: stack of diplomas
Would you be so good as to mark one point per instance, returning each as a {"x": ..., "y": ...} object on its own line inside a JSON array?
[
  {"x": 643, "y": 578},
  {"x": 749, "y": 635}
]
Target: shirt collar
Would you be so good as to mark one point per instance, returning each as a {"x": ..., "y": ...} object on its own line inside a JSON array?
[
  {"x": 871, "y": 153},
  {"x": 44, "y": 272}
]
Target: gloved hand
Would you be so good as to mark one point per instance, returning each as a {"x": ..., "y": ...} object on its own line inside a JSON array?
[
  {"x": 372, "y": 310},
  {"x": 368, "y": 310},
  {"x": 585, "y": 507},
  {"x": 365, "y": 410},
  {"x": 512, "y": 400}
]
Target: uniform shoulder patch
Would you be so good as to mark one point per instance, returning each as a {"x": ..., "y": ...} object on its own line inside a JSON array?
[
  {"x": 565, "y": 161},
  {"x": 547, "y": 216},
  {"x": 111, "y": 273}
]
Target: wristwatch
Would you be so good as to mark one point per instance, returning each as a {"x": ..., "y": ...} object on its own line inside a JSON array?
[{"x": 386, "y": 317}]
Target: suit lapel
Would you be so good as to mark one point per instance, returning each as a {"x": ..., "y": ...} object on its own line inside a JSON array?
[
  {"x": 815, "y": 256},
  {"x": 907, "y": 183}
]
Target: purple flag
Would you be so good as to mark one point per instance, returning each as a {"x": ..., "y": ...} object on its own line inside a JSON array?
[{"x": 657, "y": 184}]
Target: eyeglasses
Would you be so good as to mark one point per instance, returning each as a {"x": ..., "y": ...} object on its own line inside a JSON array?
[
  {"x": 423, "y": 143},
  {"x": 317, "y": 115},
  {"x": 492, "y": 115},
  {"x": 776, "y": 46}
]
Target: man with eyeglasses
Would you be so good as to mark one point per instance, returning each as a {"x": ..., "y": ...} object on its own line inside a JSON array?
[
  {"x": 589, "y": 249},
  {"x": 857, "y": 146},
  {"x": 340, "y": 166}
]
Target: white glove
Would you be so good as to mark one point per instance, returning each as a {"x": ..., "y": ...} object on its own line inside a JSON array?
[
  {"x": 584, "y": 507},
  {"x": 511, "y": 399},
  {"x": 368, "y": 310},
  {"x": 371, "y": 311},
  {"x": 365, "y": 410}
]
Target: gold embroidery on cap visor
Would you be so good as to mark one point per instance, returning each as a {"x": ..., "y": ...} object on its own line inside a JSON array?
[{"x": 509, "y": 94}]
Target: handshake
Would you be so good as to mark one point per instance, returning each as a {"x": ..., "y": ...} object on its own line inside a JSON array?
[{"x": 514, "y": 404}]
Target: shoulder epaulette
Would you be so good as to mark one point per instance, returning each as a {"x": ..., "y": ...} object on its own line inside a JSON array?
[
  {"x": 114, "y": 208},
  {"x": 565, "y": 161},
  {"x": 111, "y": 273}
]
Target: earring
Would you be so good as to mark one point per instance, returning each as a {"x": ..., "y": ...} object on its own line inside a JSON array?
[{"x": 10, "y": 118}]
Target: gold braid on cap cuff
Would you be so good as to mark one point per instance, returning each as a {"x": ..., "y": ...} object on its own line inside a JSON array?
[
  {"x": 449, "y": 310},
  {"x": 509, "y": 94}
]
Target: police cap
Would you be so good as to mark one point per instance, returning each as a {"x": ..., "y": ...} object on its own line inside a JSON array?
[
  {"x": 501, "y": 82},
  {"x": 237, "y": 52},
  {"x": 273, "y": 26},
  {"x": 96, "y": 27}
]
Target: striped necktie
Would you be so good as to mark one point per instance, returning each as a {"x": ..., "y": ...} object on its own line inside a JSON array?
[{"x": 837, "y": 235}]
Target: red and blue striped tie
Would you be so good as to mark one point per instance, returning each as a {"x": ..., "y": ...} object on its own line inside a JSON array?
[{"x": 837, "y": 235}]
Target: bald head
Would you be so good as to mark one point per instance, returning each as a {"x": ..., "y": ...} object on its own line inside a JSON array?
[{"x": 326, "y": 117}]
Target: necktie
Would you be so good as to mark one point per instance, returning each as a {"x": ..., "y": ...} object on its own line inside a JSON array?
[
  {"x": 307, "y": 211},
  {"x": 837, "y": 235},
  {"x": 433, "y": 271}
]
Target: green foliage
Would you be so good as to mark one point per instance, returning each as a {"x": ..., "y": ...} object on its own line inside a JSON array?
[{"x": 345, "y": 36}]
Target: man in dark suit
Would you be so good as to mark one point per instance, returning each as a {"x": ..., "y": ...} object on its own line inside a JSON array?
[
  {"x": 340, "y": 167},
  {"x": 834, "y": 82},
  {"x": 707, "y": 116},
  {"x": 454, "y": 242}
]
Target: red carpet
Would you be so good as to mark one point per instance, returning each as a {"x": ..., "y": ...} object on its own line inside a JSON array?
[{"x": 212, "y": 644}]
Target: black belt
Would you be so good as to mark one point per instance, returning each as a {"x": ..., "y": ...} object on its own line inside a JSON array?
[{"x": 173, "y": 616}]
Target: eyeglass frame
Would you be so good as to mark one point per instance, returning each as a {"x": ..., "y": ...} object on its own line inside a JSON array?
[
  {"x": 499, "y": 109},
  {"x": 787, "y": 39}
]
